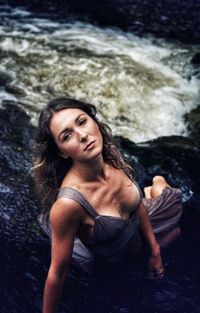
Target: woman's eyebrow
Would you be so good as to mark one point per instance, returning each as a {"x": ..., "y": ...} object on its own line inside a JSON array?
[{"x": 68, "y": 129}]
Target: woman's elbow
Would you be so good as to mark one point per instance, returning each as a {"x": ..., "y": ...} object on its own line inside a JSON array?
[{"x": 58, "y": 273}]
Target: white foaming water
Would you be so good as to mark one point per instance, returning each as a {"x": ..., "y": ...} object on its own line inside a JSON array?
[{"x": 144, "y": 86}]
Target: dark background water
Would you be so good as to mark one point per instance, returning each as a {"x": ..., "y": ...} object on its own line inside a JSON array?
[
  {"x": 25, "y": 250},
  {"x": 179, "y": 20}
]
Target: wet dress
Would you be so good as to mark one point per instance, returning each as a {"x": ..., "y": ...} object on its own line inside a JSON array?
[{"x": 114, "y": 238}]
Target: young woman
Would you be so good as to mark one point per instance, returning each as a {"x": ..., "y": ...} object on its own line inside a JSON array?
[{"x": 97, "y": 209}]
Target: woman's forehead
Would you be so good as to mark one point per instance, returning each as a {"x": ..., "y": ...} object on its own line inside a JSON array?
[{"x": 64, "y": 117}]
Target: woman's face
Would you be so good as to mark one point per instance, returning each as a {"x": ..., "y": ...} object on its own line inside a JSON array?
[{"x": 76, "y": 134}]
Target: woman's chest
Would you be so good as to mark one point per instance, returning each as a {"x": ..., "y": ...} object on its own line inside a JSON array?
[
  {"x": 118, "y": 201},
  {"x": 119, "y": 198}
]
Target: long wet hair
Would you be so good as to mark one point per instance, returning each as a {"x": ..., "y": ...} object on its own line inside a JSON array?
[{"x": 50, "y": 167}]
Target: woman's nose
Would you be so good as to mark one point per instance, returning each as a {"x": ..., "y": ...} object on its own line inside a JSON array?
[{"x": 82, "y": 136}]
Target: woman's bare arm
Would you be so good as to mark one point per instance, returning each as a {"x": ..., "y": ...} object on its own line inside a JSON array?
[
  {"x": 65, "y": 220},
  {"x": 155, "y": 260}
]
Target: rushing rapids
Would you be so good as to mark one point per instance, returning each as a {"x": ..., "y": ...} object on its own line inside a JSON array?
[{"x": 143, "y": 85}]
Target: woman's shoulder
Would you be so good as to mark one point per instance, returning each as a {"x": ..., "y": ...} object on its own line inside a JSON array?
[{"x": 65, "y": 210}]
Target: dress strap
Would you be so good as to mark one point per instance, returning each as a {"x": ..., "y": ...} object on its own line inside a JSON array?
[{"x": 71, "y": 193}]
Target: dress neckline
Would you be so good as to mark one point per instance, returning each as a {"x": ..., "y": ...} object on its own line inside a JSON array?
[{"x": 96, "y": 214}]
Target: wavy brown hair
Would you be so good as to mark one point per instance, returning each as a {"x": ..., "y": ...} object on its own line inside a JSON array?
[{"x": 50, "y": 167}]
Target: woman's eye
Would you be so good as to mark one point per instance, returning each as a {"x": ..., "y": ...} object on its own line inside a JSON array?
[
  {"x": 66, "y": 137},
  {"x": 82, "y": 122}
]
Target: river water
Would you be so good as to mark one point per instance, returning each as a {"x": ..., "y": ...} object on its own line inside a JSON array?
[{"x": 143, "y": 85}]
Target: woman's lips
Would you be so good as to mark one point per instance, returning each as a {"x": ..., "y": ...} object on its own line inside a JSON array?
[{"x": 90, "y": 145}]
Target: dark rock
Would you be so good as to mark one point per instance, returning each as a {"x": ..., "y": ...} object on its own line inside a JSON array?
[
  {"x": 193, "y": 121},
  {"x": 18, "y": 204},
  {"x": 196, "y": 59},
  {"x": 21, "y": 237},
  {"x": 177, "y": 158},
  {"x": 4, "y": 78}
]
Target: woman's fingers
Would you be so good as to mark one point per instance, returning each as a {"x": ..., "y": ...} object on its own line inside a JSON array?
[
  {"x": 156, "y": 274},
  {"x": 156, "y": 268}
]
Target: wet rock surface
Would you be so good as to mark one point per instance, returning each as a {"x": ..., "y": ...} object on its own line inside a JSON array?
[
  {"x": 196, "y": 58},
  {"x": 25, "y": 249},
  {"x": 193, "y": 120},
  {"x": 20, "y": 234},
  {"x": 175, "y": 157},
  {"x": 177, "y": 20}
]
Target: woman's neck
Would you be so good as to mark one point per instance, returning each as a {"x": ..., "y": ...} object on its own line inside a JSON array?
[{"x": 93, "y": 171}]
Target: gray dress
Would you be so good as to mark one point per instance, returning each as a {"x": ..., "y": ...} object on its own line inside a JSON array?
[{"x": 114, "y": 238}]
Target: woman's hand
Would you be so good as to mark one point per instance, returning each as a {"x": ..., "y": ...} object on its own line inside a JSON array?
[{"x": 156, "y": 268}]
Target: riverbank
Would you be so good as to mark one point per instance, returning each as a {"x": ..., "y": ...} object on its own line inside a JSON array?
[{"x": 27, "y": 250}]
